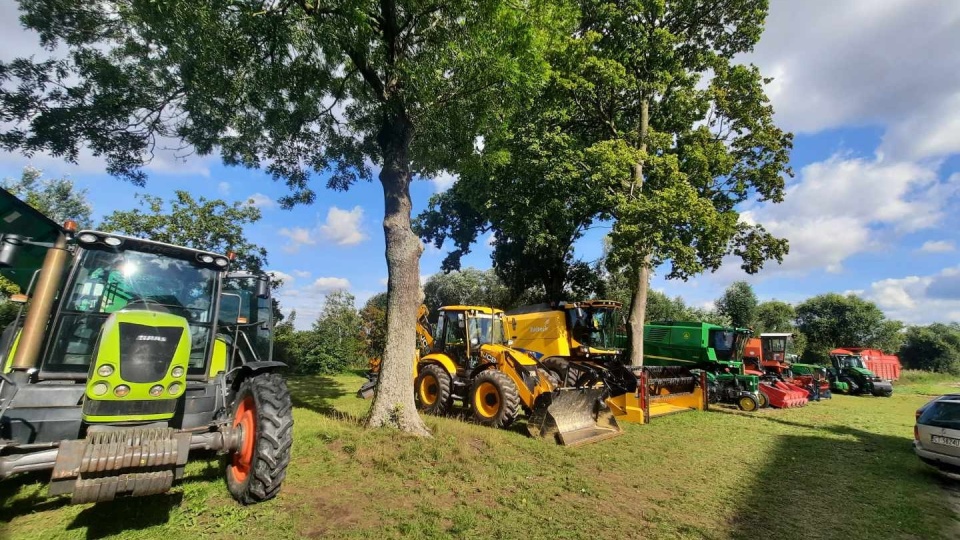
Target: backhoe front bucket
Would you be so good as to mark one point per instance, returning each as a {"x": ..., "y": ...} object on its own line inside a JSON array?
[{"x": 573, "y": 417}]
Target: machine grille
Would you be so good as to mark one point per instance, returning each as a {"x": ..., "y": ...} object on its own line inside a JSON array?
[{"x": 146, "y": 351}]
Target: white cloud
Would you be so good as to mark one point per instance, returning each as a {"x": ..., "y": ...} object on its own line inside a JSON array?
[
  {"x": 919, "y": 299},
  {"x": 224, "y": 188},
  {"x": 308, "y": 300},
  {"x": 938, "y": 246},
  {"x": 844, "y": 206},
  {"x": 330, "y": 284},
  {"x": 443, "y": 181},
  {"x": 863, "y": 62},
  {"x": 301, "y": 274},
  {"x": 491, "y": 241},
  {"x": 286, "y": 278},
  {"x": 385, "y": 281},
  {"x": 261, "y": 201},
  {"x": 343, "y": 226},
  {"x": 298, "y": 237}
]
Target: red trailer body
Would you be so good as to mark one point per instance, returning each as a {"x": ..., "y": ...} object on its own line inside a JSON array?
[{"x": 886, "y": 366}]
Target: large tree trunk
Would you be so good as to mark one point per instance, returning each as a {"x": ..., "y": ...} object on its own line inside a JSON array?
[
  {"x": 393, "y": 404},
  {"x": 638, "y": 303}
]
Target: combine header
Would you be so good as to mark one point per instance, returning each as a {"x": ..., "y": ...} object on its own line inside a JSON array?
[
  {"x": 768, "y": 358},
  {"x": 579, "y": 341}
]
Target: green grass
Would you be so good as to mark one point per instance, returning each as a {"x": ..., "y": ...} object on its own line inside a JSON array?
[{"x": 842, "y": 468}]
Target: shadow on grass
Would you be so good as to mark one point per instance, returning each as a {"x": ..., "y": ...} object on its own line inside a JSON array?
[
  {"x": 846, "y": 483},
  {"x": 317, "y": 393},
  {"x": 105, "y": 519}
]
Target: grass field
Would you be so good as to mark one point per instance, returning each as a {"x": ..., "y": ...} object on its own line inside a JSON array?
[{"x": 842, "y": 468}]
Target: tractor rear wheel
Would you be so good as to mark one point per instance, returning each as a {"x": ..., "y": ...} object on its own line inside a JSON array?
[
  {"x": 764, "y": 401},
  {"x": 494, "y": 399},
  {"x": 433, "y": 393},
  {"x": 264, "y": 413},
  {"x": 748, "y": 403}
]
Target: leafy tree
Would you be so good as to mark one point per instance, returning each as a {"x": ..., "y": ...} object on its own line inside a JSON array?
[
  {"x": 832, "y": 320},
  {"x": 739, "y": 302},
  {"x": 201, "y": 224},
  {"x": 56, "y": 198},
  {"x": 673, "y": 153},
  {"x": 373, "y": 325},
  {"x": 775, "y": 316},
  {"x": 336, "y": 341},
  {"x": 299, "y": 87},
  {"x": 465, "y": 287},
  {"x": 933, "y": 348}
]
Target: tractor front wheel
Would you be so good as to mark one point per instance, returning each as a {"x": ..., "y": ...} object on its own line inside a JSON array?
[
  {"x": 433, "y": 390},
  {"x": 494, "y": 399},
  {"x": 748, "y": 403},
  {"x": 263, "y": 412},
  {"x": 764, "y": 401}
]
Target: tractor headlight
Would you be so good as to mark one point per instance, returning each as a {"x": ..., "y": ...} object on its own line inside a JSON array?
[
  {"x": 206, "y": 259},
  {"x": 175, "y": 388},
  {"x": 112, "y": 241},
  {"x": 156, "y": 390},
  {"x": 221, "y": 262},
  {"x": 100, "y": 388},
  {"x": 87, "y": 238},
  {"x": 105, "y": 370},
  {"x": 121, "y": 391},
  {"x": 177, "y": 372}
]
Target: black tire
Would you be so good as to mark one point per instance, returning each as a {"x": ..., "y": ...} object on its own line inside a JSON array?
[
  {"x": 763, "y": 400},
  {"x": 432, "y": 390},
  {"x": 272, "y": 418},
  {"x": 747, "y": 403},
  {"x": 494, "y": 399}
]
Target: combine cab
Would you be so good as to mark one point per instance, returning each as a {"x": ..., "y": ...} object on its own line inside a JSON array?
[
  {"x": 849, "y": 374},
  {"x": 579, "y": 341},
  {"x": 471, "y": 362},
  {"x": 702, "y": 348},
  {"x": 127, "y": 356},
  {"x": 768, "y": 357}
]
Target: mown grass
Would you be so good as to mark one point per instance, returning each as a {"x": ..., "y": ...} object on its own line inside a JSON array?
[{"x": 842, "y": 468}]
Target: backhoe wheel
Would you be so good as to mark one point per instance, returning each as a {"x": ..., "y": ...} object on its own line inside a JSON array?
[
  {"x": 263, "y": 411},
  {"x": 748, "y": 403},
  {"x": 433, "y": 390},
  {"x": 763, "y": 400},
  {"x": 494, "y": 399}
]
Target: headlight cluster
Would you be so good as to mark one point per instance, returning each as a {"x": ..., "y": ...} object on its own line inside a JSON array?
[
  {"x": 102, "y": 388},
  {"x": 206, "y": 258},
  {"x": 90, "y": 238}
]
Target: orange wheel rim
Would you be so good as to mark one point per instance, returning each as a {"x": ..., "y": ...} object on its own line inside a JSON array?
[
  {"x": 243, "y": 458},
  {"x": 486, "y": 400},
  {"x": 429, "y": 389}
]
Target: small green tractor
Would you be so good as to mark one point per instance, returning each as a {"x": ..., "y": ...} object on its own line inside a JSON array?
[
  {"x": 708, "y": 347},
  {"x": 848, "y": 374},
  {"x": 127, "y": 357}
]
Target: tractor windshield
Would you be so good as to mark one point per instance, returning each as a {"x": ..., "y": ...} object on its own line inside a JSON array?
[
  {"x": 723, "y": 343},
  {"x": 852, "y": 361},
  {"x": 777, "y": 348},
  {"x": 107, "y": 281},
  {"x": 247, "y": 316},
  {"x": 486, "y": 329},
  {"x": 594, "y": 327}
]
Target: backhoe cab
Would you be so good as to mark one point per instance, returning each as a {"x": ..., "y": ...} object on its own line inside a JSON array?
[
  {"x": 471, "y": 361},
  {"x": 128, "y": 355}
]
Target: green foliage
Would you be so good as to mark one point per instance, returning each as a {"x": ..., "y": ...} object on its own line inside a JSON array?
[
  {"x": 739, "y": 302},
  {"x": 333, "y": 344},
  {"x": 832, "y": 320},
  {"x": 373, "y": 325},
  {"x": 466, "y": 287},
  {"x": 56, "y": 198},
  {"x": 932, "y": 348},
  {"x": 215, "y": 225},
  {"x": 775, "y": 316}
]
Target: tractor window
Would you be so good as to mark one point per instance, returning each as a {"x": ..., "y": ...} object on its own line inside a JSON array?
[
  {"x": 455, "y": 329},
  {"x": 255, "y": 319},
  {"x": 108, "y": 281},
  {"x": 485, "y": 329},
  {"x": 722, "y": 342}
]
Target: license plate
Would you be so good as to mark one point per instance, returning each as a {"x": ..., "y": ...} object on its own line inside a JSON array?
[{"x": 946, "y": 441}]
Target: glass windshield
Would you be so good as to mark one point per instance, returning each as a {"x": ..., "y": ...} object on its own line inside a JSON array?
[
  {"x": 723, "y": 342},
  {"x": 777, "y": 348},
  {"x": 851, "y": 361},
  {"x": 945, "y": 414},
  {"x": 241, "y": 309},
  {"x": 485, "y": 329},
  {"x": 594, "y": 327},
  {"x": 106, "y": 282}
]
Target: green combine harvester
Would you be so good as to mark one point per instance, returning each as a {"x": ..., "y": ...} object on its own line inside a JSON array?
[
  {"x": 848, "y": 374},
  {"x": 129, "y": 355},
  {"x": 716, "y": 350}
]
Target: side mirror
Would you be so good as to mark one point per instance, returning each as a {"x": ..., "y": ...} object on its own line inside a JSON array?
[
  {"x": 509, "y": 343},
  {"x": 263, "y": 287},
  {"x": 9, "y": 247}
]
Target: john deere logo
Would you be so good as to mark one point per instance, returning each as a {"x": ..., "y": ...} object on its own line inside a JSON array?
[
  {"x": 686, "y": 335},
  {"x": 151, "y": 338}
]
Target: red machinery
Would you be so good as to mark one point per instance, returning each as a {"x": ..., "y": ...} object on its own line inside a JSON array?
[
  {"x": 886, "y": 366},
  {"x": 768, "y": 358}
]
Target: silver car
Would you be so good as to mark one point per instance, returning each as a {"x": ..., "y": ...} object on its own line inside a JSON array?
[{"x": 937, "y": 433}]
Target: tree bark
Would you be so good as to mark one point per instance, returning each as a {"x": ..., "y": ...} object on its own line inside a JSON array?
[
  {"x": 638, "y": 302},
  {"x": 393, "y": 404}
]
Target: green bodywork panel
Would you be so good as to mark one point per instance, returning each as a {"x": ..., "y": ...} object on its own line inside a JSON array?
[
  {"x": 19, "y": 218},
  {"x": 110, "y": 353},
  {"x": 8, "y": 363},
  {"x": 218, "y": 362}
]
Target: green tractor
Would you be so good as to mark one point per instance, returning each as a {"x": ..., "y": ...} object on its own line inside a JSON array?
[
  {"x": 127, "y": 357},
  {"x": 848, "y": 374},
  {"x": 708, "y": 347}
]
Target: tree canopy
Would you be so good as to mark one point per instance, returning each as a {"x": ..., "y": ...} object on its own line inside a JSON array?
[
  {"x": 934, "y": 348},
  {"x": 833, "y": 320},
  {"x": 739, "y": 303},
  {"x": 56, "y": 198}
]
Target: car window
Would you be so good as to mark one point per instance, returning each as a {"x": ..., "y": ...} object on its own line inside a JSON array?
[{"x": 945, "y": 414}]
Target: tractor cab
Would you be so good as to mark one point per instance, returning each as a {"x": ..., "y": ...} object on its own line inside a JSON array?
[
  {"x": 461, "y": 331},
  {"x": 849, "y": 374}
]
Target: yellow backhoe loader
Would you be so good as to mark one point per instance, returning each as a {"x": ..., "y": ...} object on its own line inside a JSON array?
[
  {"x": 472, "y": 362},
  {"x": 579, "y": 341}
]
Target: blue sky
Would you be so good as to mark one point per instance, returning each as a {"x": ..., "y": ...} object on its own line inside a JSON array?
[{"x": 870, "y": 89}]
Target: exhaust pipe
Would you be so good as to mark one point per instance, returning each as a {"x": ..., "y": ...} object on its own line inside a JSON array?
[{"x": 31, "y": 337}]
